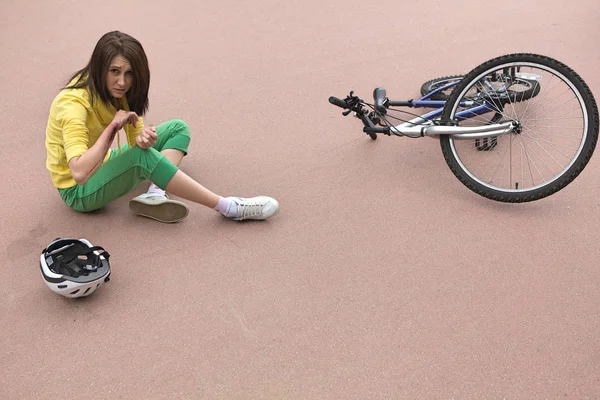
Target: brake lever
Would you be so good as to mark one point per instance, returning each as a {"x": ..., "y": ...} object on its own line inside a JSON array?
[{"x": 351, "y": 101}]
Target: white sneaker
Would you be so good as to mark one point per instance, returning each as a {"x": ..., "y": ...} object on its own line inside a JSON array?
[
  {"x": 159, "y": 207},
  {"x": 260, "y": 207}
]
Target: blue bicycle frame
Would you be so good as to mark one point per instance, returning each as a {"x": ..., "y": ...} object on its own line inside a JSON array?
[
  {"x": 426, "y": 124},
  {"x": 439, "y": 105}
]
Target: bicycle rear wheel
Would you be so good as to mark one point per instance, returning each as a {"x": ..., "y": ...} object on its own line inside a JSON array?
[
  {"x": 557, "y": 128},
  {"x": 437, "y": 83}
]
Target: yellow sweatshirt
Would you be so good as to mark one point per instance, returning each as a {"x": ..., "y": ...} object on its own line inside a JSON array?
[{"x": 74, "y": 126}]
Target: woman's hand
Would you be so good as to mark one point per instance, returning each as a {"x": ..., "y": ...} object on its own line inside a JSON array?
[
  {"x": 147, "y": 137},
  {"x": 123, "y": 118}
]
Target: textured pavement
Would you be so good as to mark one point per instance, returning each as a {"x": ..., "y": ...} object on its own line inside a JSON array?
[{"x": 381, "y": 278}]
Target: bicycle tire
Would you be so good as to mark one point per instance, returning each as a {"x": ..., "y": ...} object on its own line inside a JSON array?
[
  {"x": 589, "y": 130},
  {"x": 436, "y": 83}
]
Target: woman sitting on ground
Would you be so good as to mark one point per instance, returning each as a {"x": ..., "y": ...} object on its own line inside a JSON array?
[{"x": 109, "y": 94}]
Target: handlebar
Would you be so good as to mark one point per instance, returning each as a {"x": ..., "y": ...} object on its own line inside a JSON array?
[
  {"x": 386, "y": 130},
  {"x": 338, "y": 102},
  {"x": 372, "y": 119},
  {"x": 353, "y": 103}
]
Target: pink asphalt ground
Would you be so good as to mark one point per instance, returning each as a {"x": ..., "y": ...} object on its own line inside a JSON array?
[{"x": 382, "y": 277}]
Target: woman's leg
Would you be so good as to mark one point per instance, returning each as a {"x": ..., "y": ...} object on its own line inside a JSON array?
[
  {"x": 237, "y": 208},
  {"x": 118, "y": 176},
  {"x": 123, "y": 172},
  {"x": 173, "y": 140}
]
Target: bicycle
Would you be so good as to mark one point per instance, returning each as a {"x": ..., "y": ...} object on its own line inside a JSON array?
[{"x": 516, "y": 128}]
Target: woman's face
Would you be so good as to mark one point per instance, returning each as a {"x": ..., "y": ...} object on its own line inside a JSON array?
[{"x": 119, "y": 78}]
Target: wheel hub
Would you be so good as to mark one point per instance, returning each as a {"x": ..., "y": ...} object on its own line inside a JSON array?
[{"x": 517, "y": 128}]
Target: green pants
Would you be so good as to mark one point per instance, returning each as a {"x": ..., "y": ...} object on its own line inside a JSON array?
[{"x": 128, "y": 168}]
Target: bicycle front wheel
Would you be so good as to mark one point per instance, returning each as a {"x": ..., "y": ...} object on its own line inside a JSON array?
[{"x": 557, "y": 128}]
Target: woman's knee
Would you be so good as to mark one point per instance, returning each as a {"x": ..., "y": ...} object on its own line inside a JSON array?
[
  {"x": 182, "y": 132},
  {"x": 182, "y": 127},
  {"x": 173, "y": 134},
  {"x": 175, "y": 127}
]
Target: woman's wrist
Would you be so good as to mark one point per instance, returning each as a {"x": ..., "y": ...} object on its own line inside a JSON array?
[
  {"x": 113, "y": 127},
  {"x": 109, "y": 134}
]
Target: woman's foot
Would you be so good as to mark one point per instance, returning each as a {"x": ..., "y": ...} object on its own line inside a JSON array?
[
  {"x": 158, "y": 206},
  {"x": 241, "y": 208}
]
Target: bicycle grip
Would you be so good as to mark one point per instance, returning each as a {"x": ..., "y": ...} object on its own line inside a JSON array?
[{"x": 338, "y": 102}]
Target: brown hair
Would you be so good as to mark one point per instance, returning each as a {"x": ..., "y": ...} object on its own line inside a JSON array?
[{"x": 93, "y": 75}]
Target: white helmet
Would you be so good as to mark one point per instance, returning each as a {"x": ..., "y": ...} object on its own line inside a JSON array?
[{"x": 73, "y": 267}]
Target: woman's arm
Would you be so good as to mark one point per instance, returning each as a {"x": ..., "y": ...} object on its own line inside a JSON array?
[{"x": 85, "y": 166}]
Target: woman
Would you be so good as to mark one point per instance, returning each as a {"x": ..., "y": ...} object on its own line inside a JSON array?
[{"x": 109, "y": 94}]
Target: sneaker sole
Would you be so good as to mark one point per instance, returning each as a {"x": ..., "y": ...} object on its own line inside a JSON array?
[{"x": 169, "y": 211}]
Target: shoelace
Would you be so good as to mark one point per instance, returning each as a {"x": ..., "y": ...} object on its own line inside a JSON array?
[{"x": 249, "y": 209}]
